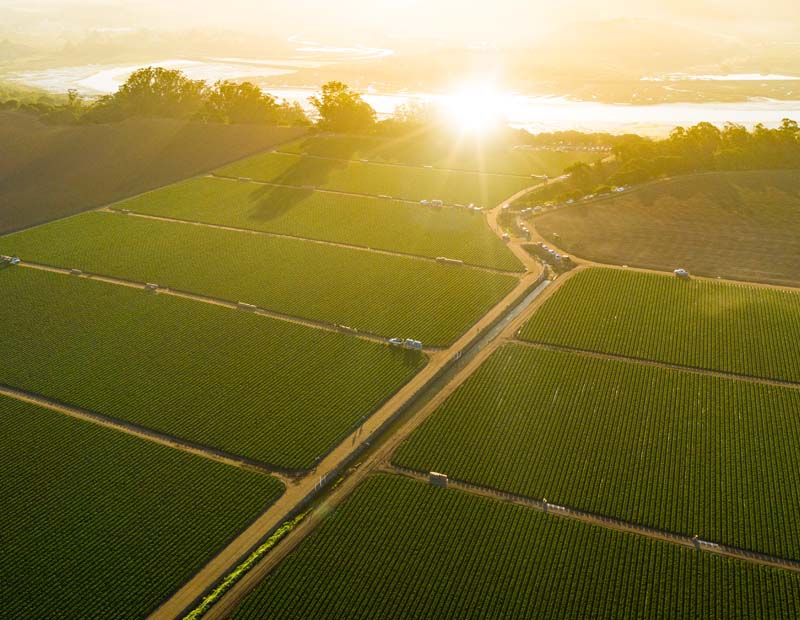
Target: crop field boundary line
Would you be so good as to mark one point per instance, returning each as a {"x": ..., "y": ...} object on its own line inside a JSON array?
[
  {"x": 147, "y": 434},
  {"x": 607, "y": 522},
  {"x": 402, "y": 165},
  {"x": 335, "y": 244},
  {"x": 216, "y": 301},
  {"x": 324, "y": 190},
  {"x": 657, "y": 364}
]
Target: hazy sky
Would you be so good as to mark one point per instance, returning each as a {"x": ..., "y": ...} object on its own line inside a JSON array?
[{"x": 492, "y": 20}]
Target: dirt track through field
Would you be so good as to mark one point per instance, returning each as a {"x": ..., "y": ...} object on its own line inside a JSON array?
[
  {"x": 213, "y": 301},
  {"x": 141, "y": 432},
  {"x": 336, "y": 244},
  {"x": 402, "y": 165},
  {"x": 324, "y": 190},
  {"x": 608, "y": 522},
  {"x": 657, "y": 364}
]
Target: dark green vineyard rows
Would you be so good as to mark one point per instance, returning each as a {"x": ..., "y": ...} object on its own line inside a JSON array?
[
  {"x": 266, "y": 389},
  {"x": 730, "y": 327},
  {"x": 354, "y": 220},
  {"x": 673, "y": 450},
  {"x": 377, "y": 179},
  {"x": 97, "y": 524},
  {"x": 387, "y": 295},
  {"x": 403, "y": 549}
]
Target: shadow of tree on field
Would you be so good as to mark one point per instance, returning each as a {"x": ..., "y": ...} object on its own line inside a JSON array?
[
  {"x": 304, "y": 176},
  {"x": 271, "y": 203}
]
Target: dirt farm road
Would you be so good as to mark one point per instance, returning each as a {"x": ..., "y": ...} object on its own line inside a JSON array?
[{"x": 300, "y": 491}]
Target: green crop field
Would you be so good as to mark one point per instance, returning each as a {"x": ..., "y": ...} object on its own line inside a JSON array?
[
  {"x": 382, "y": 294},
  {"x": 720, "y": 326},
  {"x": 496, "y": 157},
  {"x": 97, "y": 524},
  {"x": 355, "y": 220},
  {"x": 403, "y": 549},
  {"x": 365, "y": 178},
  {"x": 739, "y": 225},
  {"x": 675, "y": 450},
  {"x": 267, "y": 389}
]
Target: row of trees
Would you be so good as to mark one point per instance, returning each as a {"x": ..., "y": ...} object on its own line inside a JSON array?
[
  {"x": 158, "y": 92},
  {"x": 169, "y": 93},
  {"x": 705, "y": 147},
  {"x": 700, "y": 148}
]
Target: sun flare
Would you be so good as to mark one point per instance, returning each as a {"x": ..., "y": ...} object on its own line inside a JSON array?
[{"x": 476, "y": 108}]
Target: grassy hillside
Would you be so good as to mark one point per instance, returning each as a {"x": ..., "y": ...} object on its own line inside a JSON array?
[
  {"x": 98, "y": 524},
  {"x": 400, "y": 549},
  {"x": 741, "y": 225},
  {"x": 48, "y": 171}
]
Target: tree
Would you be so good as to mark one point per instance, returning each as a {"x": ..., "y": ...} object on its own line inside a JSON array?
[
  {"x": 342, "y": 110},
  {"x": 155, "y": 91},
  {"x": 229, "y": 102}
]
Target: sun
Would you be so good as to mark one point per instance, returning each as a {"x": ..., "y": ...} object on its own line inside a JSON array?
[{"x": 476, "y": 108}]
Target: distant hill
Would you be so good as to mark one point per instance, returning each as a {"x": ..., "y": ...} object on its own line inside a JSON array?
[
  {"x": 740, "y": 225},
  {"x": 47, "y": 172}
]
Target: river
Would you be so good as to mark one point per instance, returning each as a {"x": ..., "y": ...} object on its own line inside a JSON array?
[{"x": 535, "y": 113}]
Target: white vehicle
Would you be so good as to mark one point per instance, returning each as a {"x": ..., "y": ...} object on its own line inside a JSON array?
[
  {"x": 681, "y": 273},
  {"x": 437, "y": 203},
  {"x": 396, "y": 341}
]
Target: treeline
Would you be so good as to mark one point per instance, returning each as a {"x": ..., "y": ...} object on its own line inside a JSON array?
[
  {"x": 700, "y": 148},
  {"x": 168, "y": 93}
]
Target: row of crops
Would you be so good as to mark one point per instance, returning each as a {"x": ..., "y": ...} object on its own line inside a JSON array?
[
  {"x": 706, "y": 324},
  {"x": 482, "y": 155},
  {"x": 97, "y": 524},
  {"x": 356, "y": 220},
  {"x": 403, "y": 549},
  {"x": 266, "y": 389},
  {"x": 674, "y": 450},
  {"x": 378, "y": 179},
  {"x": 377, "y": 293}
]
